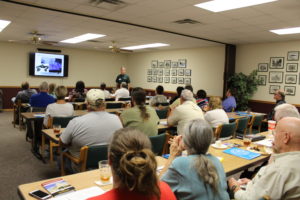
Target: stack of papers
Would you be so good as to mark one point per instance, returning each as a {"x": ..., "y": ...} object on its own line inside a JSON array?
[
  {"x": 266, "y": 142},
  {"x": 81, "y": 194}
]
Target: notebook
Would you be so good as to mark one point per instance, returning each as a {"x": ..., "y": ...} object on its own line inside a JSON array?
[{"x": 242, "y": 153}]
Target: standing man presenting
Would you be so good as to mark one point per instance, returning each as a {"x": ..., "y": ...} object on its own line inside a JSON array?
[{"x": 123, "y": 77}]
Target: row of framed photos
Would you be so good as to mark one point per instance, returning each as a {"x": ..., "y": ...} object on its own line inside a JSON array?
[
  {"x": 290, "y": 67},
  {"x": 173, "y": 80},
  {"x": 168, "y": 72},
  {"x": 277, "y": 77},
  {"x": 288, "y": 90},
  {"x": 167, "y": 64}
]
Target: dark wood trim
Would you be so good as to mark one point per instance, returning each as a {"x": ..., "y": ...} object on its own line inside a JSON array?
[{"x": 229, "y": 67}]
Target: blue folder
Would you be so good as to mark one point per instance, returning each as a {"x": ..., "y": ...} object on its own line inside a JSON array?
[{"x": 241, "y": 153}]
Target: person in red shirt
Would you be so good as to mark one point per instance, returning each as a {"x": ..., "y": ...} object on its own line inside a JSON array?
[{"x": 133, "y": 167}]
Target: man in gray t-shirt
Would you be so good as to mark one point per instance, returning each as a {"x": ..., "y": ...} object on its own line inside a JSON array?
[{"x": 94, "y": 128}]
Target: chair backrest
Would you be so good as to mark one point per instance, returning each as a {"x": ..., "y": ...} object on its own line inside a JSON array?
[
  {"x": 227, "y": 130},
  {"x": 257, "y": 120},
  {"x": 242, "y": 125},
  {"x": 158, "y": 143},
  {"x": 162, "y": 104},
  {"x": 38, "y": 109},
  {"x": 79, "y": 100},
  {"x": 62, "y": 121},
  {"x": 114, "y": 105},
  {"x": 162, "y": 114},
  {"x": 125, "y": 99},
  {"x": 110, "y": 99},
  {"x": 94, "y": 155}
]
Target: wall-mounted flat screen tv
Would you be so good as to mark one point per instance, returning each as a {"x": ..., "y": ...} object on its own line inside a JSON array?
[{"x": 48, "y": 64}]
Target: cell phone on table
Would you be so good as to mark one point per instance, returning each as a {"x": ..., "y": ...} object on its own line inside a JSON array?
[{"x": 39, "y": 194}]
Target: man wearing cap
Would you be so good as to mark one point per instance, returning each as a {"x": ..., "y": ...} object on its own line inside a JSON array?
[
  {"x": 94, "y": 128},
  {"x": 279, "y": 96}
]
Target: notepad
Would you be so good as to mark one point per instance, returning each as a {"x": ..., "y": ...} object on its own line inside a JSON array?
[
  {"x": 242, "y": 153},
  {"x": 39, "y": 115},
  {"x": 82, "y": 194}
]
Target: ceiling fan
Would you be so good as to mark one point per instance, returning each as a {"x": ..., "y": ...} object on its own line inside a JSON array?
[
  {"x": 36, "y": 38},
  {"x": 115, "y": 49}
]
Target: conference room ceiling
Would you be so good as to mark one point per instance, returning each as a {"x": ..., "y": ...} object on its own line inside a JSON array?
[{"x": 239, "y": 26}]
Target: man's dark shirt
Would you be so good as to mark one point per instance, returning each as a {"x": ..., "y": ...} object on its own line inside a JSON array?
[
  {"x": 122, "y": 78},
  {"x": 271, "y": 114}
]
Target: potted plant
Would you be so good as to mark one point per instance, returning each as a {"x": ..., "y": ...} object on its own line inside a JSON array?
[{"x": 243, "y": 87}]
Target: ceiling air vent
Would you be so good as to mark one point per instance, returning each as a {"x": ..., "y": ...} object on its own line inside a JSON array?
[
  {"x": 187, "y": 21},
  {"x": 114, "y": 2}
]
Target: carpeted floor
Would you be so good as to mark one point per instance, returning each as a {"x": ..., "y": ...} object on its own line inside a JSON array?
[{"x": 18, "y": 164}]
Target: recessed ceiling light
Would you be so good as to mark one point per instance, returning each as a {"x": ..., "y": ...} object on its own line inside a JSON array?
[
  {"x": 82, "y": 38},
  {"x": 286, "y": 31},
  {"x": 3, "y": 24},
  {"x": 222, "y": 5},
  {"x": 144, "y": 46}
]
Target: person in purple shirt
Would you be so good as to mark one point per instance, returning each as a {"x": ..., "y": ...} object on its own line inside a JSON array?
[
  {"x": 229, "y": 104},
  {"x": 42, "y": 99}
]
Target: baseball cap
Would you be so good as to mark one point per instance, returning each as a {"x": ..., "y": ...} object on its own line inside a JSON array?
[{"x": 93, "y": 95}]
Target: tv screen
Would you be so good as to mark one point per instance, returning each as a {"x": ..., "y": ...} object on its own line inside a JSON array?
[{"x": 48, "y": 64}]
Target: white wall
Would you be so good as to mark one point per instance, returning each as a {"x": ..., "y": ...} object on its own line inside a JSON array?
[
  {"x": 90, "y": 66},
  {"x": 207, "y": 66},
  {"x": 249, "y": 56}
]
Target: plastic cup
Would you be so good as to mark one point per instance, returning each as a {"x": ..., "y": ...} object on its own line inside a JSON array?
[
  {"x": 218, "y": 143},
  {"x": 246, "y": 141},
  {"x": 271, "y": 126},
  {"x": 105, "y": 171},
  {"x": 56, "y": 128}
]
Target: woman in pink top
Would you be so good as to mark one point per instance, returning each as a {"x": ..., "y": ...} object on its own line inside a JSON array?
[{"x": 134, "y": 169}]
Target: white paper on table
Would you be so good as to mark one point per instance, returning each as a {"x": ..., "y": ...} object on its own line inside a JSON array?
[
  {"x": 163, "y": 123},
  {"x": 81, "y": 194},
  {"x": 265, "y": 142},
  {"x": 39, "y": 115}
]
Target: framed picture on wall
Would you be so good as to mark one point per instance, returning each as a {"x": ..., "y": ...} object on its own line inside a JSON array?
[
  {"x": 149, "y": 79},
  {"x": 275, "y": 77},
  {"x": 174, "y": 72},
  {"x": 167, "y": 64},
  {"x": 174, "y": 64},
  {"x": 274, "y": 88},
  {"x": 154, "y": 79},
  {"x": 262, "y": 79},
  {"x": 181, "y": 72},
  {"x": 187, "y": 81},
  {"x": 161, "y": 64},
  {"x": 180, "y": 80},
  {"x": 262, "y": 67},
  {"x": 167, "y": 79},
  {"x": 154, "y": 63},
  {"x": 293, "y": 56},
  {"x": 292, "y": 67},
  {"x": 149, "y": 72},
  {"x": 154, "y": 72},
  {"x": 290, "y": 90},
  {"x": 174, "y": 80},
  {"x": 159, "y": 79},
  {"x": 167, "y": 72},
  {"x": 188, "y": 72},
  {"x": 290, "y": 79},
  {"x": 160, "y": 72},
  {"x": 276, "y": 62},
  {"x": 182, "y": 63}
]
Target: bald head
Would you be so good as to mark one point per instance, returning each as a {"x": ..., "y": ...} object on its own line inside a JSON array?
[{"x": 287, "y": 137}]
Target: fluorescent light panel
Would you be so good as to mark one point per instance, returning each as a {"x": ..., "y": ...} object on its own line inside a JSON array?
[
  {"x": 145, "y": 46},
  {"x": 3, "y": 24},
  {"x": 286, "y": 31},
  {"x": 222, "y": 5},
  {"x": 82, "y": 38}
]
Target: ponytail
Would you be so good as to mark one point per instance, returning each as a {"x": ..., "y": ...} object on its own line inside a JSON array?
[{"x": 144, "y": 114}]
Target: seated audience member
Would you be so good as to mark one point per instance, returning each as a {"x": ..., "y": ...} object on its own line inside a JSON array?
[
  {"x": 178, "y": 90},
  {"x": 177, "y": 101},
  {"x": 42, "y": 99},
  {"x": 216, "y": 115},
  {"x": 141, "y": 116},
  {"x": 285, "y": 110},
  {"x": 229, "y": 103},
  {"x": 279, "y": 96},
  {"x": 25, "y": 94},
  {"x": 51, "y": 91},
  {"x": 106, "y": 92},
  {"x": 159, "y": 98},
  {"x": 199, "y": 175},
  {"x": 123, "y": 92},
  {"x": 94, "y": 128},
  {"x": 133, "y": 167},
  {"x": 185, "y": 112},
  {"x": 281, "y": 177},
  {"x": 61, "y": 108},
  {"x": 202, "y": 101},
  {"x": 79, "y": 92}
]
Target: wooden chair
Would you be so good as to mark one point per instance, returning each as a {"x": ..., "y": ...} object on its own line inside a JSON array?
[
  {"x": 225, "y": 131},
  {"x": 114, "y": 105},
  {"x": 63, "y": 122},
  {"x": 242, "y": 125},
  {"x": 255, "y": 124},
  {"x": 162, "y": 113},
  {"x": 125, "y": 99},
  {"x": 159, "y": 143},
  {"x": 17, "y": 113},
  {"x": 110, "y": 99},
  {"x": 88, "y": 158}
]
